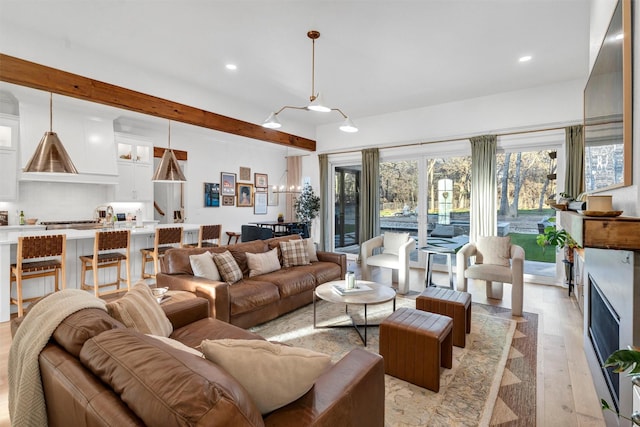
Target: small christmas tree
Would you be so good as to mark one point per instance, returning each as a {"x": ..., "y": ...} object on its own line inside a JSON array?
[{"x": 307, "y": 205}]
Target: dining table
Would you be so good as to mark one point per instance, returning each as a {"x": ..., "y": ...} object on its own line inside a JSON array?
[{"x": 279, "y": 228}]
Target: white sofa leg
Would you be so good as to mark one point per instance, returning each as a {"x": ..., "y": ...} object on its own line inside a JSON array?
[
  {"x": 516, "y": 301},
  {"x": 394, "y": 275},
  {"x": 366, "y": 272},
  {"x": 494, "y": 290}
]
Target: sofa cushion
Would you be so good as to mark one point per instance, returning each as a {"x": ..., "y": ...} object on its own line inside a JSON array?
[
  {"x": 212, "y": 329},
  {"x": 166, "y": 386},
  {"x": 494, "y": 250},
  {"x": 322, "y": 271},
  {"x": 294, "y": 253},
  {"x": 176, "y": 344},
  {"x": 204, "y": 266},
  {"x": 228, "y": 267},
  {"x": 290, "y": 281},
  {"x": 240, "y": 250},
  {"x": 275, "y": 243},
  {"x": 273, "y": 374},
  {"x": 263, "y": 263},
  {"x": 82, "y": 325},
  {"x": 250, "y": 294},
  {"x": 140, "y": 310},
  {"x": 393, "y": 241}
]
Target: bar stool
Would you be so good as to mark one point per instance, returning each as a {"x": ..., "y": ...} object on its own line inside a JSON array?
[
  {"x": 164, "y": 236},
  {"x": 107, "y": 241},
  {"x": 208, "y": 237},
  {"x": 233, "y": 235},
  {"x": 32, "y": 247}
]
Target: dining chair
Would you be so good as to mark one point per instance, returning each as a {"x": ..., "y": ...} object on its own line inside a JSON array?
[
  {"x": 208, "y": 237},
  {"x": 106, "y": 255},
  {"x": 48, "y": 259}
]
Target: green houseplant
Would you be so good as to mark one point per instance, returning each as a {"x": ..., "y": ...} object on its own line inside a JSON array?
[
  {"x": 552, "y": 236},
  {"x": 622, "y": 361},
  {"x": 307, "y": 205}
]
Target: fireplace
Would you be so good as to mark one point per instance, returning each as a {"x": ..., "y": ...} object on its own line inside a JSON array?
[
  {"x": 604, "y": 333},
  {"x": 611, "y": 322}
]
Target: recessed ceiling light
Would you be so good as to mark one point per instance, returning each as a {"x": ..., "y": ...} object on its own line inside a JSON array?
[
  {"x": 525, "y": 58},
  {"x": 231, "y": 67}
]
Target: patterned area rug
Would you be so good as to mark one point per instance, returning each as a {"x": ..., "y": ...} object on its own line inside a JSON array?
[{"x": 468, "y": 391}]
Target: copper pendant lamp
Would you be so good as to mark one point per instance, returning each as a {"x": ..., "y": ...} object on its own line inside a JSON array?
[
  {"x": 50, "y": 155},
  {"x": 169, "y": 169}
]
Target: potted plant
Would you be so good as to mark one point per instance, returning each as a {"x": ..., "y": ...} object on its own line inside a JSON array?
[
  {"x": 307, "y": 205},
  {"x": 552, "y": 236},
  {"x": 625, "y": 360}
]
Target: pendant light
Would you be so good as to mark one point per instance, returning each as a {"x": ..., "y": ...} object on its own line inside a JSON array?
[
  {"x": 316, "y": 103},
  {"x": 50, "y": 155},
  {"x": 169, "y": 170}
]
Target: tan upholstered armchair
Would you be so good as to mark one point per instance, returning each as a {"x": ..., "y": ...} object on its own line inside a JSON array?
[
  {"x": 394, "y": 251},
  {"x": 497, "y": 262}
]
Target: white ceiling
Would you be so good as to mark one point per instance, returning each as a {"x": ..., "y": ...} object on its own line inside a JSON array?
[{"x": 373, "y": 57}]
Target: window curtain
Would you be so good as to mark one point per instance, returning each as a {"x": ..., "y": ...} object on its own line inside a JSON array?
[
  {"x": 325, "y": 211},
  {"x": 370, "y": 195},
  {"x": 574, "y": 173},
  {"x": 484, "y": 220},
  {"x": 294, "y": 178}
]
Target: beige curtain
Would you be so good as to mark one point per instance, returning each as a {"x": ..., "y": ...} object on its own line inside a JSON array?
[
  {"x": 370, "y": 195},
  {"x": 484, "y": 220},
  {"x": 294, "y": 179},
  {"x": 574, "y": 173},
  {"x": 325, "y": 206}
]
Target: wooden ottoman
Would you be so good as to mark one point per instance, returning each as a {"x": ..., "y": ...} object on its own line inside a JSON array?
[
  {"x": 447, "y": 302},
  {"x": 414, "y": 344}
]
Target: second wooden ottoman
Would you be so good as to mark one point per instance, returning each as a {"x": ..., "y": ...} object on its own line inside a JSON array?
[
  {"x": 447, "y": 302},
  {"x": 414, "y": 344}
]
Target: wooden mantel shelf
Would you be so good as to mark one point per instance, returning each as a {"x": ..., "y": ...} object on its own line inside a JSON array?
[{"x": 605, "y": 233}]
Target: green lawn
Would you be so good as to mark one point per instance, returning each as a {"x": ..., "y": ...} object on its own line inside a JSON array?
[{"x": 532, "y": 251}]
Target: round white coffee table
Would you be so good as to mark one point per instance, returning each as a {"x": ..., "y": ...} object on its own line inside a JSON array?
[{"x": 377, "y": 294}]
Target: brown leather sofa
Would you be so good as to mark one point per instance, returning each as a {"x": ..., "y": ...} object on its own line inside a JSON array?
[
  {"x": 95, "y": 372},
  {"x": 257, "y": 299}
]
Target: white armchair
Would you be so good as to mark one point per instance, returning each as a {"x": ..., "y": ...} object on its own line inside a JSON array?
[
  {"x": 497, "y": 262},
  {"x": 395, "y": 251}
]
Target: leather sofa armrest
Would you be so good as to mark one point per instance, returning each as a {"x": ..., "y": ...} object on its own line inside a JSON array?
[
  {"x": 336, "y": 258},
  {"x": 184, "y": 312},
  {"x": 217, "y": 293},
  {"x": 350, "y": 393}
]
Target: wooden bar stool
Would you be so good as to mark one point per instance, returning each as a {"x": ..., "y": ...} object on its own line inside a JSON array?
[
  {"x": 208, "y": 236},
  {"x": 233, "y": 235},
  {"x": 33, "y": 247},
  {"x": 167, "y": 236},
  {"x": 107, "y": 241}
]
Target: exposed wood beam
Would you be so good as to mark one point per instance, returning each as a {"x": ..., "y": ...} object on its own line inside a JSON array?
[
  {"x": 24, "y": 73},
  {"x": 158, "y": 152}
]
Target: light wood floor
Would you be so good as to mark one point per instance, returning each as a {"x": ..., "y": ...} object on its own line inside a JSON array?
[{"x": 566, "y": 396}]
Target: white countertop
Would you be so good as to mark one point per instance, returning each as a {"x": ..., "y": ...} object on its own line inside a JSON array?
[{"x": 11, "y": 236}]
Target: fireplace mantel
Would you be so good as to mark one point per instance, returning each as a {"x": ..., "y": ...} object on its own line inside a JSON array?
[{"x": 605, "y": 233}]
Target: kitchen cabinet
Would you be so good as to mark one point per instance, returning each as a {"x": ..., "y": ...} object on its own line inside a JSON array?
[
  {"x": 135, "y": 169},
  {"x": 9, "y": 126}
]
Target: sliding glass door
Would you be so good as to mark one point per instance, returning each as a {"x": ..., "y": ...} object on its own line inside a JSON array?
[{"x": 347, "y": 209}]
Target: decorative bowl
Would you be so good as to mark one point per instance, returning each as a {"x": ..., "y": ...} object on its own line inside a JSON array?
[
  {"x": 159, "y": 293},
  {"x": 31, "y": 221}
]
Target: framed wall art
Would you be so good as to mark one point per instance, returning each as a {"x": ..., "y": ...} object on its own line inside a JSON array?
[
  {"x": 260, "y": 205},
  {"x": 228, "y": 183},
  {"x": 228, "y": 201},
  {"x": 245, "y": 195},
  {"x": 211, "y": 195},
  {"x": 261, "y": 180},
  {"x": 273, "y": 197},
  {"x": 245, "y": 174}
]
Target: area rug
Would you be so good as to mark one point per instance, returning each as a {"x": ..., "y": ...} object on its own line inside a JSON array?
[{"x": 468, "y": 391}]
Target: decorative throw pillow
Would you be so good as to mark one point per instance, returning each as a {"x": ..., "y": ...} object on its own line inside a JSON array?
[
  {"x": 177, "y": 345},
  {"x": 311, "y": 250},
  {"x": 494, "y": 250},
  {"x": 273, "y": 374},
  {"x": 294, "y": 252},
  {"x": 203, "y": 266},
  {"x": 392, "y": 242},
  {"x": 227, "y": 266},
  {"x": 140, "y": 310},
  {"x": 263, "y": 263}
]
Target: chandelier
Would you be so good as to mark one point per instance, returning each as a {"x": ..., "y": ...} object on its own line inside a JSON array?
[
  {"x": 316, "y": 102},
  {"x": 168, "y": 169}
]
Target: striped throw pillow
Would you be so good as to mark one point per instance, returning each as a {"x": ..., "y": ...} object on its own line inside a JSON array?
[
  {"x": 294, "y": 252},
  {"x": 140, "y": 310},
  {"x": 227, "y": 267}
]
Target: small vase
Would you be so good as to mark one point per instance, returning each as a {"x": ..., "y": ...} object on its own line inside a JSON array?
[{"x": 280, "y": 219}]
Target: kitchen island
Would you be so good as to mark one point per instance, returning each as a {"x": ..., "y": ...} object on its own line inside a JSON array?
[{"x": 79, "y": 242}]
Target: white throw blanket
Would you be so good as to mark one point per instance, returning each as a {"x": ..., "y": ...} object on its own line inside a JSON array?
[{"x": 26, "y": 397}]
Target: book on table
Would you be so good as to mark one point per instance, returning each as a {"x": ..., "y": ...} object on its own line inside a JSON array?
[{"x": 341, "y": 290}]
